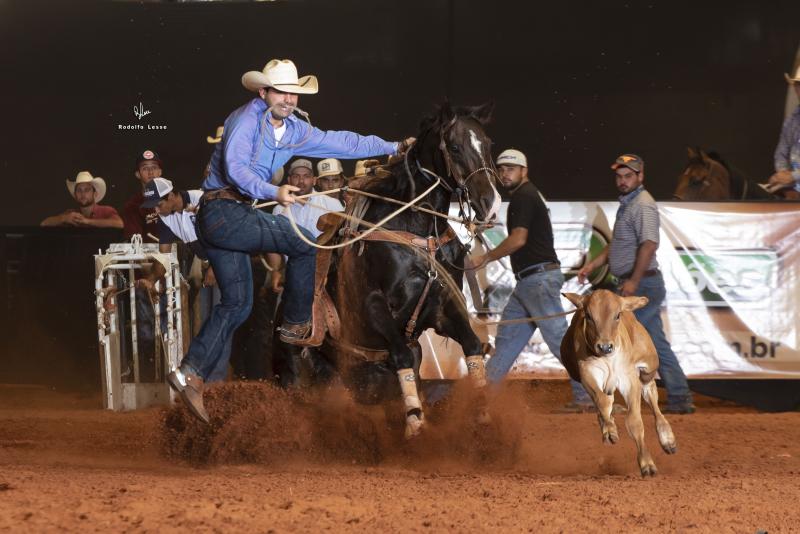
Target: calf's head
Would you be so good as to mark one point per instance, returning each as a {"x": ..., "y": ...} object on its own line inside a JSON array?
[{"x": 599, "y": 317}]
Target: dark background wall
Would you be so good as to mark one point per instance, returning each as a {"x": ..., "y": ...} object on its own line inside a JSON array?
[{"x": 575, "y": 83}]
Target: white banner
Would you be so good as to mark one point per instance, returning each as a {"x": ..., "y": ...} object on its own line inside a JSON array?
[{"x": 732, "y": 274}]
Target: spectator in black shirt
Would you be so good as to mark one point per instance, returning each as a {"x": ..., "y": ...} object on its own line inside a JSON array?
[{"x": 536, "y": 267}]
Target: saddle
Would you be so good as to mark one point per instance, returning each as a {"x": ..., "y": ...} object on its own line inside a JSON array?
[{"x": 324, "y": 316}]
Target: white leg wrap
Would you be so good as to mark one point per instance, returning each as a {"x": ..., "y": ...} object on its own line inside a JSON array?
[
  {"x": 477, "y": 370},
  {"x": 408, "y": 384}
]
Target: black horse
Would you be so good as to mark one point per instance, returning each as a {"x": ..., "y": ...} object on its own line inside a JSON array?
[{"x": 386, "y": 288}]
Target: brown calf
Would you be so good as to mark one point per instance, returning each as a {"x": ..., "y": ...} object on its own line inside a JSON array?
[{"x": 607, "y": 349}]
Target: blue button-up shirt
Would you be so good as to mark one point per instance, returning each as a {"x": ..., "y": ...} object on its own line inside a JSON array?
[
  {"x": 787, "y": 153},
  {"x": 249, "y": 154}
]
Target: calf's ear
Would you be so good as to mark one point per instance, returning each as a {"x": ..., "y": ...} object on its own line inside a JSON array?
[
  {"x": 634, "y": 303},
  {"x": 575, "y": 299}
]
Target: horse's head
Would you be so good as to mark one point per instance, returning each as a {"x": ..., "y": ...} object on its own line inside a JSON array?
[
  {"x": 455, "y": 144},
  {"x": 703, "y": 178}
]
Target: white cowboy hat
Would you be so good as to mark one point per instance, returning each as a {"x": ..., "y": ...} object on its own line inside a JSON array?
[
  {"x": 796, "y": 78},
  {"x": 282, "y": 75},
  {"x": 86, "y": 177},
  {"x": 217, "y": 138}
]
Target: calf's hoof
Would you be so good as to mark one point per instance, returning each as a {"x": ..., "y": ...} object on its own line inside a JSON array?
[
  {"x": 610, "y": 436},
  {"x": 414, "y": 425},
  {"x": 648, "y": 469},
  {"x": 668, "y": 442},
  {"x": 670, "y": 447}
]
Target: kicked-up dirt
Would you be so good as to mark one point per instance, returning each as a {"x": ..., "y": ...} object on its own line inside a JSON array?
[{"x": 278, "y": 461}]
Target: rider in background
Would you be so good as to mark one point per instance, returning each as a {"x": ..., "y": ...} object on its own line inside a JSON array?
[{"x": 787, "y": 153}]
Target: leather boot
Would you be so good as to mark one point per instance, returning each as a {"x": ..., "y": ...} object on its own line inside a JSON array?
[{"x": 190, "y": 386}]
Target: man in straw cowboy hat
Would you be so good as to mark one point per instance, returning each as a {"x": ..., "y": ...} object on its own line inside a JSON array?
[
  {"x": 213, "y": 141},
  {"x": 87, "y": 191},
  {"x": 260, "y": 137},
  {"x": 787, "y": 153},
  {"x": 217, "y": 136}
]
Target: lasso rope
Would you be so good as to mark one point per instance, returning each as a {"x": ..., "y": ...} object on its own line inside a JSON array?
[
  {"x": 437, "y": 265},
  {"x": 369, "y": 230},
  {"x": 447, "y": 280}
]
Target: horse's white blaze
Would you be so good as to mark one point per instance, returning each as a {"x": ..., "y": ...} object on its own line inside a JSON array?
[
  {"x": 495, "y": 204},
  {"x": 476, "y": 143},
  {"x": 497, "y": 201}
]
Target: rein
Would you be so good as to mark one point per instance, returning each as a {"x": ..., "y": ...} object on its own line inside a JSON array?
[{"x": 459, "y": 191}]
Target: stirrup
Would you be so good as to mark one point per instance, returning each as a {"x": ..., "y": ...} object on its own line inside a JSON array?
[{"x": 301, "y": 333}]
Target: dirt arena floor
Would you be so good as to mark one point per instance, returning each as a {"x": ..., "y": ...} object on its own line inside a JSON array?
[{"x": 277, "y": 462}]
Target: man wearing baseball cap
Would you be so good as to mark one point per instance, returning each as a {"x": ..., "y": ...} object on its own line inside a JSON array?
[
  {"x": 631, "y": 258},
  {"x": 135, "y": 217},
  {"x": 176, "y": 223},
  {"x": 787, "y": 153},
  {"x": 537, "y": 270},
  {"x": 330, "y": 175},
  {"x": 258, "y": 138},
  {"x": 306, "y": 215},
  {"x": 87, "y": 191}
]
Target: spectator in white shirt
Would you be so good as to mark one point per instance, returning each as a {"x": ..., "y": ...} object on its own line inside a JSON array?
[{"x": 301, "y": 175}]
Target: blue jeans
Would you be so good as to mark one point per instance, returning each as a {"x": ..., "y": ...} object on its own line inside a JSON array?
[
  {"x": 535, "y": 295},
  {"x": 208, "y": 298},
  {"x": 230, "y": 231},
  {"x": 669, "y": 369}
]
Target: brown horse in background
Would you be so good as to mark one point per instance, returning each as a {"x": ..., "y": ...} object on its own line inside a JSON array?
[{"x": 707, "y": 177}]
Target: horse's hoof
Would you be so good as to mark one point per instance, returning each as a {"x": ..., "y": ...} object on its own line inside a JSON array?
[{"x": 414, "y": 426}]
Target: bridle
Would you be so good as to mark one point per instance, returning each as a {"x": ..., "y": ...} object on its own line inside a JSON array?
[{"x": 461, "y": 190}]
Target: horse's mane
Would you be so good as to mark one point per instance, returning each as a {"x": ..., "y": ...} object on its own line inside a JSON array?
[
  {"x": 736, "y": 177},
  {"x": 713, "y": 154}
]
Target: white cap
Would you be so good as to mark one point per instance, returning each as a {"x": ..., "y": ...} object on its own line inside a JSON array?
[
  {"x": 329, "y": 167},
  {"x": 301, "y": 163},
  {"x": 154, "y": 191},
  {"x": 512, "y": 157}
]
